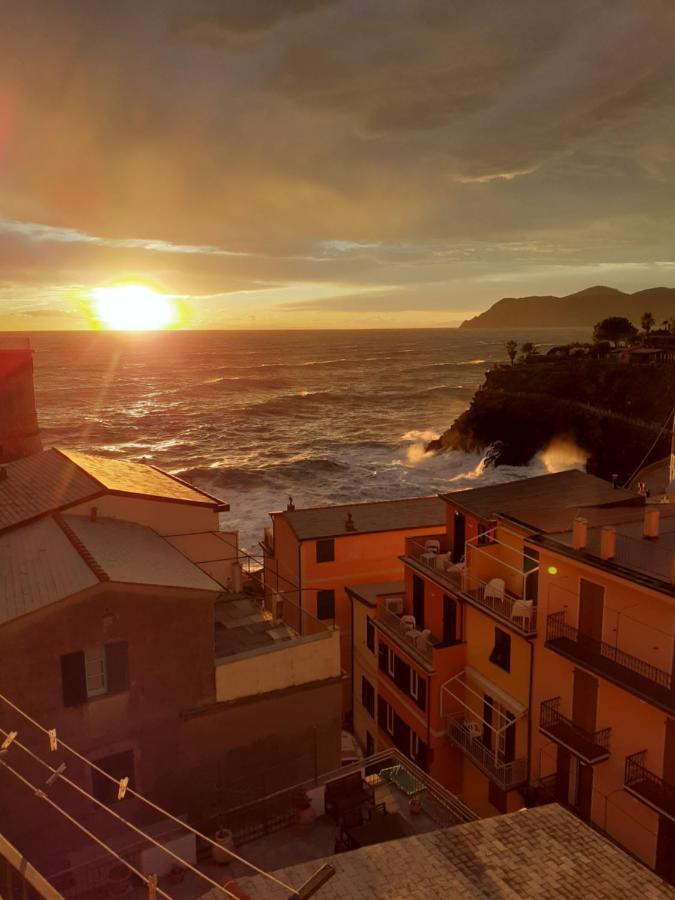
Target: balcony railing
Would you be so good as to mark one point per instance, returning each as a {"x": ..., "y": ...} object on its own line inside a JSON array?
[
  {"x": 628, "y": 671},
  {"x": 648, "y": 787},
  {"x": 465, "y": 736},
  {"x": 590, "y": 746}
]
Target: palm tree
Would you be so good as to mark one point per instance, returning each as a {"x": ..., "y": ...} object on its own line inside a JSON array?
[
  {"x": 647, "y": 322},
  {"x": 511, "y": 350}
]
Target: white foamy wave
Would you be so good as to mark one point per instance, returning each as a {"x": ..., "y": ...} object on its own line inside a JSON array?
[{"x": 562, "y": 454}]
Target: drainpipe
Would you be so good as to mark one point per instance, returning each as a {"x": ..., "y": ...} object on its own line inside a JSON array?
[
  {"x": 300, "y": 586},
  {"x": 529, "y": 717}
]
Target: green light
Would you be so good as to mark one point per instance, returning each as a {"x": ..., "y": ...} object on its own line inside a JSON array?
[{"x": 552, "y": 570}]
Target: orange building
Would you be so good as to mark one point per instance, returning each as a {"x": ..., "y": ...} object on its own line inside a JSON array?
[
  {"x": 312, "y": 555},
  {"x": 449, "y": 652},
  {"x": 603, "y": 692}
]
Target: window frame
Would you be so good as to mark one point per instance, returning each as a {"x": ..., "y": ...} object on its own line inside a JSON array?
[
  {"x": 95, "y": 655},
  {"x": 370, "y": 634},
  {"x": 414, "y": 684},
  {"x": 390, "y": 715},
  {"x": 323, "y": 544},
  {"x": 391, "y": 663},
  {"x": 368, "y": 692},
  {"x": 501, "y": 651}
]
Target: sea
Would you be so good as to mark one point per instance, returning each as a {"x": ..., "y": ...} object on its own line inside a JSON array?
[{"x": 256, "y": 417}]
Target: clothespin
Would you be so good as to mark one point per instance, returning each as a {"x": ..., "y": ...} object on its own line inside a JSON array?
[
  {"x": 8, "y": 740},
  {"x": 53, "y": 743},
  {"x": 152, "y": 887},
  {"x": 122, "y": 789},
  {"x": 52, "y": 778}
]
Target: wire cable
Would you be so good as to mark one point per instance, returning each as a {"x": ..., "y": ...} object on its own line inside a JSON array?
[
  {"x": 671, "y": 414},
  {"x": 107, "y": 809},
  {"x": 39, "y": 793},
  {"x": 154, "y": 806}
]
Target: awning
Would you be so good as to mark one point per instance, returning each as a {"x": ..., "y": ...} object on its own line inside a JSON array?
[{"x": 471, "y": 681}]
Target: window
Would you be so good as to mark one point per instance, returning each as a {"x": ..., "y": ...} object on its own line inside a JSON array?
[
  {"x": 414, "y": 684},
  {"x": 119, "y": 765},
  {"x": 325, "y": 550},
  {"x": 325, "y": 604},
  {"x": 418, "y": 602},
  {"x": 370, "y": 744},
  {"x": 414, "y": 745},
  {"x": 368, "y": 696},
  {"x": 390, "y": 719},
  {"x": 98, "y": 670},
  {"x": 370, "y": 635},
  {"x": 95, "y": 671},
  {"x": 501, "y": 653}
]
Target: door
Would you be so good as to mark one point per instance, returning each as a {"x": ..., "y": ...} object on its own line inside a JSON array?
[
  {"x": 591, "y": 603},
  {"x": 585, "y": 700},
  {"x": 585, "y": 791},
  {"x": 665, "y": 850},
  {"x": 458, "y": 537},
  {"x": 562, "y": 776},
  {"x": 669, "y": 753},
  {"x": 449, "y": 620},
  {"x": 418, "y": 602}
]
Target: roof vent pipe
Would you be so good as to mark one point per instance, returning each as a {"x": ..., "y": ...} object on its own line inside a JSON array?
[
  {"x": 608, "y": 542},
  {"x": 349, "y": 523},
  {"x": 652, "y": 524},
  {"x": 579, "y": 532}
]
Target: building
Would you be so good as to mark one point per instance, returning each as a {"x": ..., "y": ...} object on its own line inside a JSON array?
[
  {"x": 19, "y": 430},
  {"x": 312, "y": 555},
  {"x": 603, "y": 699},
  {"x": 117, "y": 630},
  {"x": 446, "y": 659},
  {"x": 543, "y": 852}
]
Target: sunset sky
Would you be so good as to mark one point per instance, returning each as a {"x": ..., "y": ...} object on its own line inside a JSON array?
[{"x": 332, "y": 163}]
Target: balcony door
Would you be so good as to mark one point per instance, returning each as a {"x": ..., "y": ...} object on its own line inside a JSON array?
[
  {"x": 458, "y": 537},
  {"x": 585, "y": 700},
  {"x": 591, "y": 605},
  {"x": 580, "y": 794},
  {"x": 418, "y": 602},
  {"x": 449, "y": 620}
]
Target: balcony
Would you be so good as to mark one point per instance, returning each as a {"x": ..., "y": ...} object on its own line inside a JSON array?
[
  {"x": 466, "y": 735},
  {"x": 420, "y": 645},
  {"x": 629, "y": 672},
  {"x": 648, "y": 787},
  {"x": 491, "y": 596},
  {"x": 589, "y": 746}
]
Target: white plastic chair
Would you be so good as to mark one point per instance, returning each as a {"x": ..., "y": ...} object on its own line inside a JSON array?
[
  {"x": 407, "y": 623},
  {"x": 495, "y": 588},
  {"x": 432, "y": 546},
  {"x": 522, "y": 609}
]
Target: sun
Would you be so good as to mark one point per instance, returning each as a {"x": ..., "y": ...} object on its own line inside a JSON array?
[{"x": 133, "y": 307}]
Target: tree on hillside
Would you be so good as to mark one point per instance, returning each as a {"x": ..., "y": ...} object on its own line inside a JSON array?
[
  {"x": 616, "y": 329},
  {"x": 527, "y": 349},
  {"x": 511, "y": 350},
  {"x": 647, "y": 322}
]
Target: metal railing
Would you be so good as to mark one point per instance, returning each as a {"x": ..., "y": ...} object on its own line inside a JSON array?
[
  {"x": 557, "y": 629},
  {"x": 414, "y": 644},
  {"x": 646, "y": 784},
  {"x": 506, "y": 774},
  {"x": 550, "y": 717}
]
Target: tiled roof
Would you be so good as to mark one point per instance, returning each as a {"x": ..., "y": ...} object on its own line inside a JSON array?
[
  {"x": 134, "y": 554},
  {"x": 382, "y": 515},
  {"x": 562, "y": 490},
  {"x": 545, "y": 853},
  {"x": 38, "y": 566},
  {"x": 125, "y": 477},
  {"x": 40, "y": 484}
]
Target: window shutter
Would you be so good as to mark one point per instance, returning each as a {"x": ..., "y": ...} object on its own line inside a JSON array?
[
  {"x": 73, "y": 679},
  {"x": 117, "y": 666},
  {"x": 422, "y": 693}
]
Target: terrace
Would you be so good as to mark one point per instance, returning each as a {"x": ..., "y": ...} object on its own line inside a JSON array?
[
  {"x": 627, "y": 671},
  {"x": 589, "y": 746},
  {"x": 648, "y": 787},
  {"x": 421, "y": 646},
  {"x": 501, "y": 592}
]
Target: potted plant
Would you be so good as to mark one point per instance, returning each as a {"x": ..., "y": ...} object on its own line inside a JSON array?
[
  {"x": 304, "y": 814},
  {"x": 225, "y": 839}
]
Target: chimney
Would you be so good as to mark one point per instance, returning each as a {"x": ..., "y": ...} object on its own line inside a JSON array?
[
  {"x": 652, "y": 524},
  {"x": 290, "y": 505},
  {"x": 349, "y": 523},
  {"x": 93, "y": 513},
  {"x": 579, "y": 533},
  {"x": 608, "y": 542}
]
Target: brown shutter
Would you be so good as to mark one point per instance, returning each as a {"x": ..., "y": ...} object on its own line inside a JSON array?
[
  {"x": 584, "y": 700},
  {"x": 74, "y": 679},
  {"x": 117, "y": 666}
]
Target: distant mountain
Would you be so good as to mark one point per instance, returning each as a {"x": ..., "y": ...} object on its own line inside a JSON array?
[{"x": 576, "y": 310}]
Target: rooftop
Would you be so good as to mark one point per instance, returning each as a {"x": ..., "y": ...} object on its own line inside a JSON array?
[
  {"x": 544, "y": 852},
  {"x": 56, "y": 557},
  {"x": 369, "y": 593},
  {"x": 56, "y": 479},
  {"x": 381, "y": 515},
  {"x": 562, "y": 490},
  {"x": 243, "y": 625}
]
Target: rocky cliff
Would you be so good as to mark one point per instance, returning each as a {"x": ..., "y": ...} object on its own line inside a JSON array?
[
  {"x": 611, "y": 411},
  {"x": 582, "y": 309}
]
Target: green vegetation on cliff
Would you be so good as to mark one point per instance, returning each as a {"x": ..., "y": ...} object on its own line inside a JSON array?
[{"x": 612, "y": 411}]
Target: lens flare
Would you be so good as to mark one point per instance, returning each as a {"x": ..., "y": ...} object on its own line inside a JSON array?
[{"x": 133, "y": 307}]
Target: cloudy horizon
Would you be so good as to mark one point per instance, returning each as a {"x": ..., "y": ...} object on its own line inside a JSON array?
[{"x": 332, "y": 163}]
